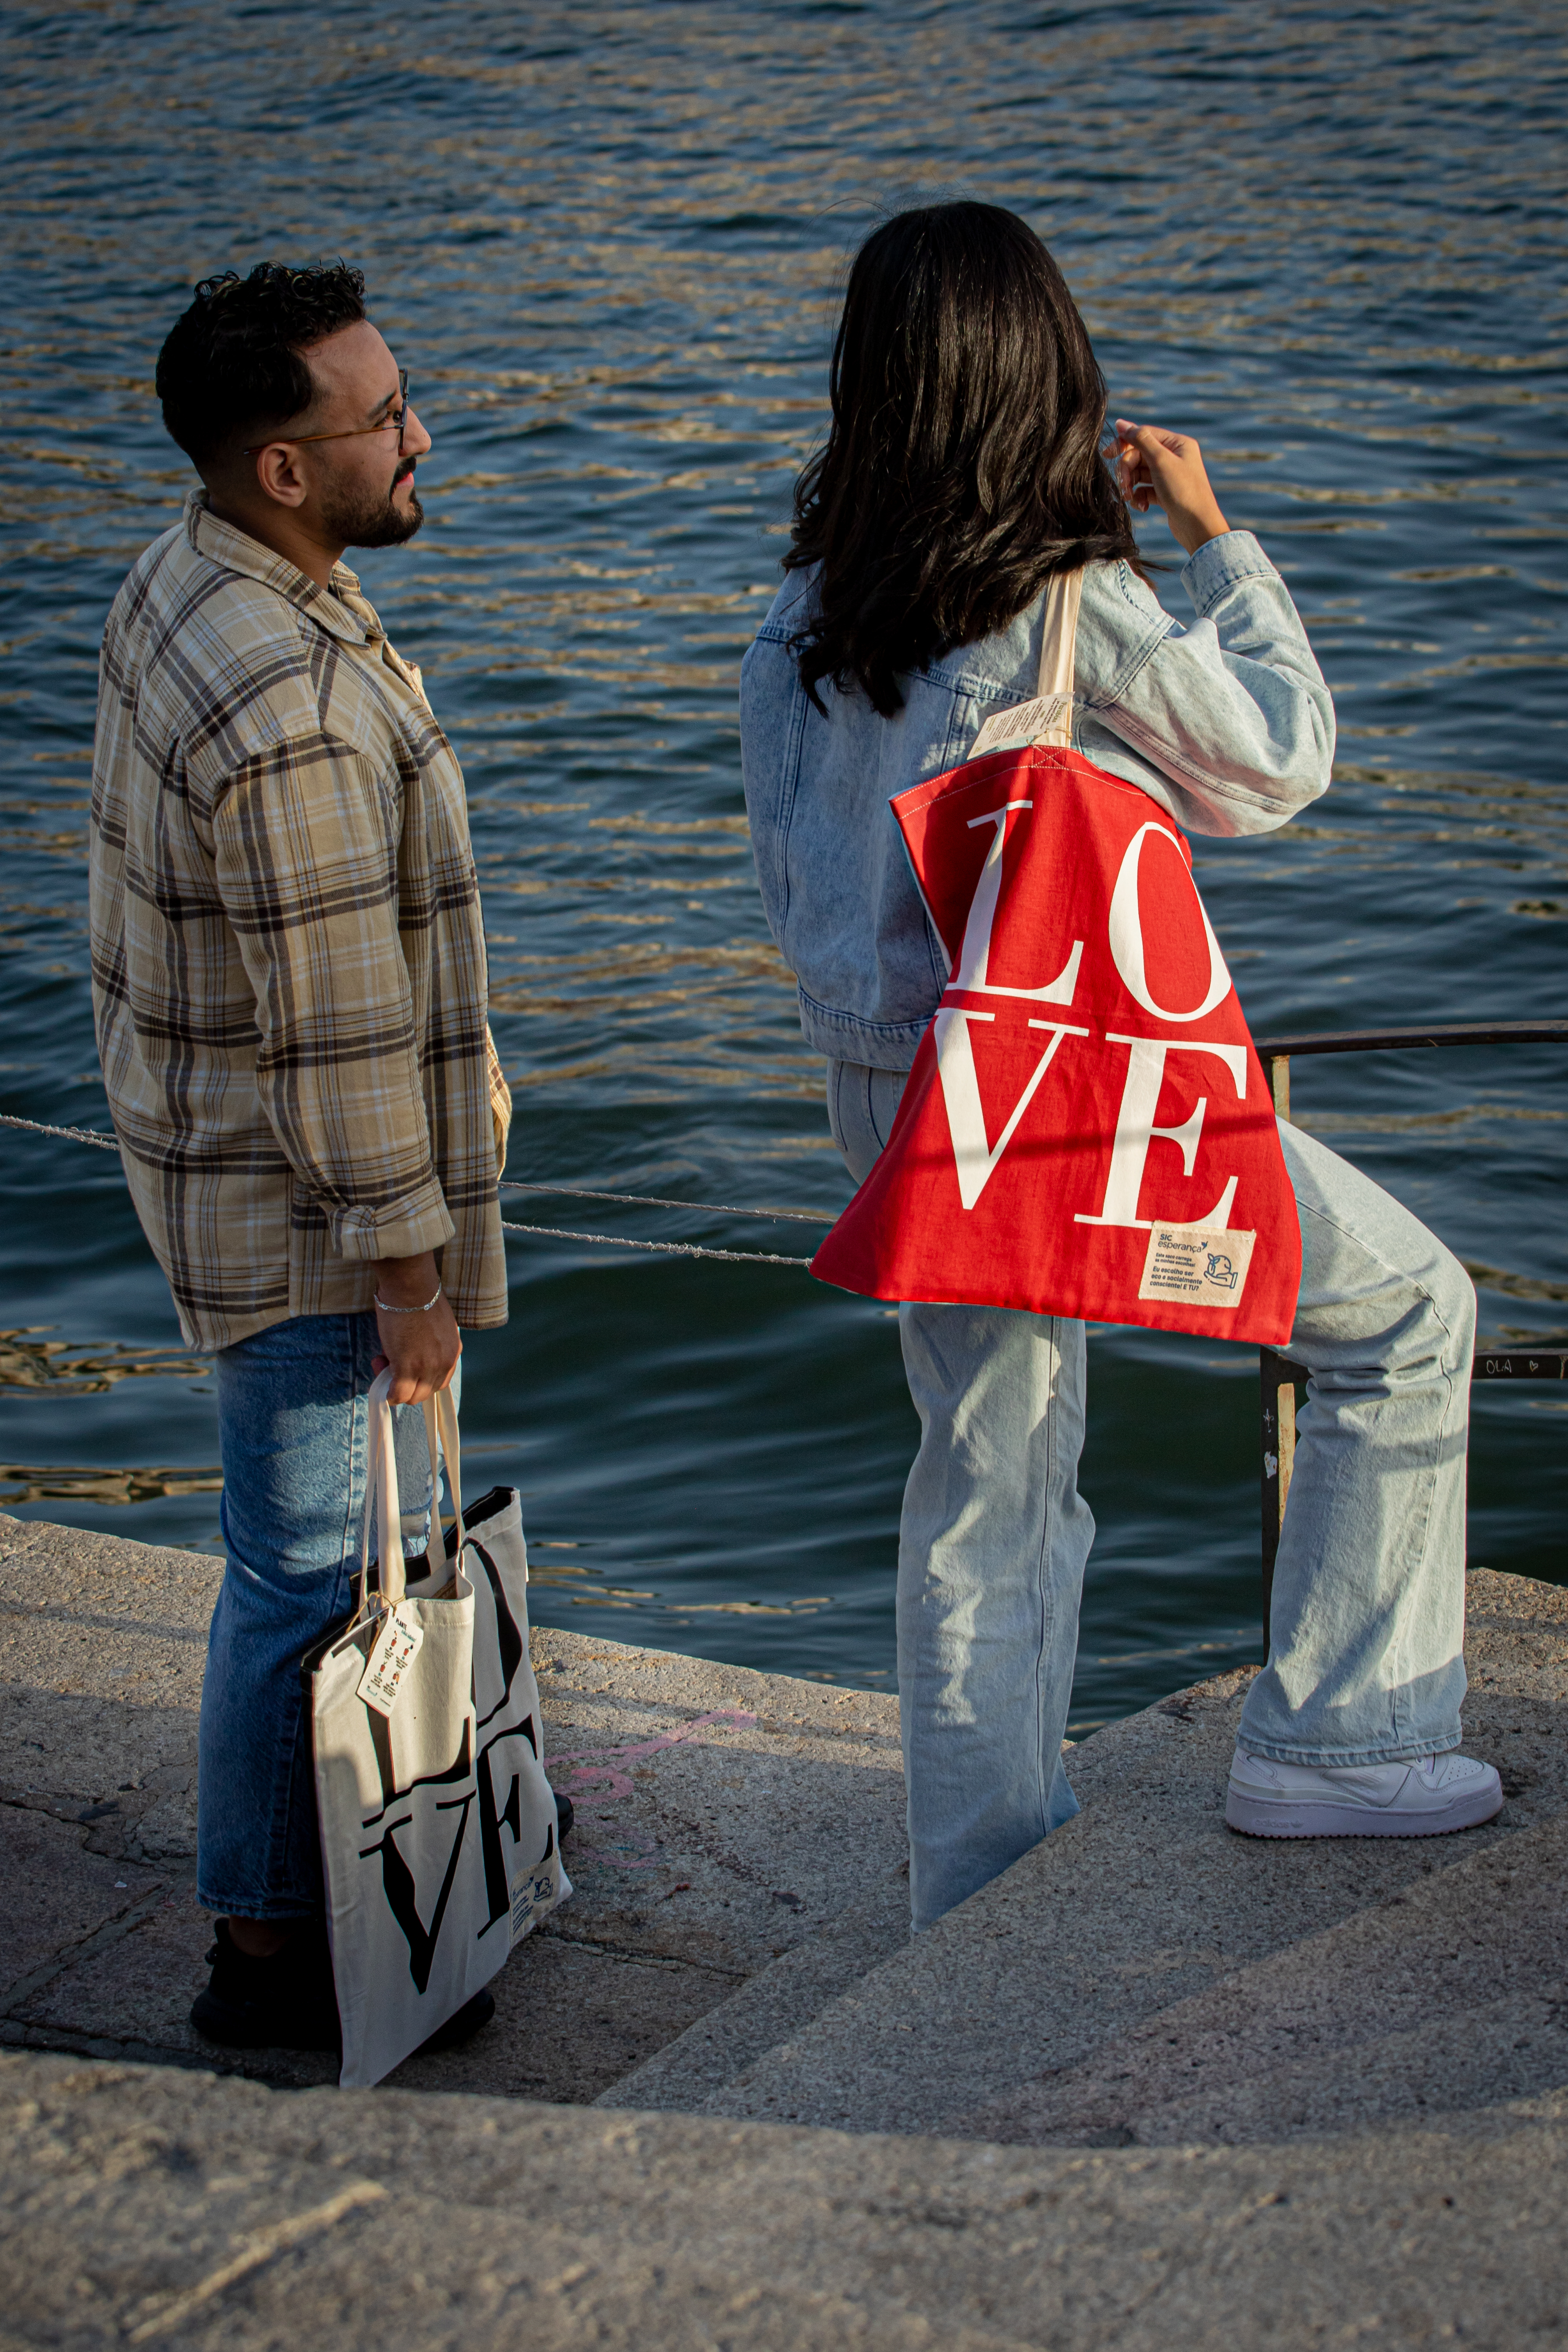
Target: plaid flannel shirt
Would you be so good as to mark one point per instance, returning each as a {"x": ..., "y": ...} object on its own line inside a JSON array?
[{"x": 288, "y": 956}]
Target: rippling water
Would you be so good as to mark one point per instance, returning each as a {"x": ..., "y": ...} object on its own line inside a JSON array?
[{"x": 607, "y": 241}]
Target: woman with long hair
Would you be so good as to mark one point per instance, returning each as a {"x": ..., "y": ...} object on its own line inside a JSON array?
[{"x": 962, "y": 473}]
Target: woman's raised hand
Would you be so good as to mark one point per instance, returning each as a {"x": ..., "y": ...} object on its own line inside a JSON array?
[{"x": 1166, "y": 470}]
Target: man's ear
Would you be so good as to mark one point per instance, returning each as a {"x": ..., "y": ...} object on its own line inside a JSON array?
[{"x": 278, "y": 475}]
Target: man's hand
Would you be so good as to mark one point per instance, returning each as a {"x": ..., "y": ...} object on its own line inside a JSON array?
[
  {"x": 1166, "y": 470},
  {"x": 422, "y": 1349}
]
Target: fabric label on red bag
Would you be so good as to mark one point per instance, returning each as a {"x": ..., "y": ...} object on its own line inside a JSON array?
[
  {"x": 1087, "y": 1130},
  {"x": 1204, "y": 1264}
]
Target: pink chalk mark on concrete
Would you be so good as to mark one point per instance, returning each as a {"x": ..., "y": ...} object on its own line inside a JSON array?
[{"x": 604, "y": 1776}]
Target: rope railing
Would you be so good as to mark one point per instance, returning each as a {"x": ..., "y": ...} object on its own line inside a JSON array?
[
  {"x": 92, "y": 1135},
  {"x": 667, "y": 1249},
  {"x": 102, "y": 1142},
  {"x": 652, "y": 1201}
]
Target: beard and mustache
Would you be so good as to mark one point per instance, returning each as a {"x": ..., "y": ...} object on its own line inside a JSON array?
[{"x": 361, "y": 518}]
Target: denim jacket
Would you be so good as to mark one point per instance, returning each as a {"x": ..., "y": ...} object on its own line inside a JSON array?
[{"x": 1228, "y": 725}]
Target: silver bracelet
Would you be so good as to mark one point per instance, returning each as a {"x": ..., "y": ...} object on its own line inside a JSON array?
[{"x": 430, "y": 1302}]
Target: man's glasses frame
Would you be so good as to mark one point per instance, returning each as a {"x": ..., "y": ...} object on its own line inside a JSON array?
[{"x": 397, "y": 420}]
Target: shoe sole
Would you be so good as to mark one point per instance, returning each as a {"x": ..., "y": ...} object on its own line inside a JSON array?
[
  {"x": 1254, "y": 1817},
  {"x": 232, "y": 2028}
]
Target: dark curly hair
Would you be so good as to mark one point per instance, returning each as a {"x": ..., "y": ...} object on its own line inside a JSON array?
[
  {"x": 232, "y": 362},
  {"x": 962, "y": 466}
]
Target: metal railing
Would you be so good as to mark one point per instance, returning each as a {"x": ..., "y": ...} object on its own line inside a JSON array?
[{"x": 1280, "y": 1377}]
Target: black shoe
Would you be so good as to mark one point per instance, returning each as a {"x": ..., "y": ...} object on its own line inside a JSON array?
[
  {"x": 283, "y": 2002},
  {"x": 462, "y": 2025},
  {"x": 564, "y": 1817}
]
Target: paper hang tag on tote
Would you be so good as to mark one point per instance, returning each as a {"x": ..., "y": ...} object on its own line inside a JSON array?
[
  {"x": 1025, "y": 722},
  {"x": 392, "y": 1652}
]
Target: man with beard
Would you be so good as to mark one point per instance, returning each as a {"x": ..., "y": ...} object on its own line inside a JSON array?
[{"x": 288, "y": 988}]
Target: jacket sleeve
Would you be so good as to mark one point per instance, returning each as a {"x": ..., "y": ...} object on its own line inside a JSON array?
[
  {"x": 305, "y": 840},
  {"x": 1233, "y": 712}
]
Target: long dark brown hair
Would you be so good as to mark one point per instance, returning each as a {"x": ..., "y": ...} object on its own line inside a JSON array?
[{"x": 962, "y": 466}]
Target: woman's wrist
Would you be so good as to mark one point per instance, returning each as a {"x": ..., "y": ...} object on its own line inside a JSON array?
[{"x": 1197, "y": 531}]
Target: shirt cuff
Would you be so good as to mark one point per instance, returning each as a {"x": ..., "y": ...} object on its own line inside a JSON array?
[
  {"x": 1219, "y": 564},
  {"x": 405, "y": 1228}
]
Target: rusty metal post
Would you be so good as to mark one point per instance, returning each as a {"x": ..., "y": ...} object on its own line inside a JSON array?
[
  {"x": 1278, "y": 1068},
  {"x": 1279, "y": 1376},
  {"x": 1278, "y": 1432}
]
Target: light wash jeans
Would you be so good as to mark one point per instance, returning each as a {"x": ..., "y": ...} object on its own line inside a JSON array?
[
  {"x": 292, "y": 1430},
  {"x": 1365, "y": 1662}
]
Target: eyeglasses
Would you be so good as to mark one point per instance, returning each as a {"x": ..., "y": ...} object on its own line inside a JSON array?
[{"x": 396, "y": 420}]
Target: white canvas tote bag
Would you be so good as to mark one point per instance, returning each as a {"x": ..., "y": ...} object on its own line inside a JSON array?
[{"x": 438, "y": 1827}]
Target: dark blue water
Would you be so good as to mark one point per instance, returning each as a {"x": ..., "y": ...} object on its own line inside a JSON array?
[{"x": 606, "y": 241}]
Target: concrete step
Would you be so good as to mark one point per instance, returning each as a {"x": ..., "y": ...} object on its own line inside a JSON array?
[
  {"x": 781, "y": 2000},
  {"x": 1267, "y": 2033},
  {"x": 737, "y": 1942},
  {"x": 724, "y": 1818},
  {"x": 1146, "y": 1902},
  {"x": 140, "y": 2205},
  {"x": 1448, "y": 1996}
]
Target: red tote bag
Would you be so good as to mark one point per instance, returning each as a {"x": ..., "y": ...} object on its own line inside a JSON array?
[{"x": 1087, "y": 1130}]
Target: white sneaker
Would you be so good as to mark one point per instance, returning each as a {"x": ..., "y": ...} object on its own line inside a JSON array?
[{"x": 1319, "y": 1800}]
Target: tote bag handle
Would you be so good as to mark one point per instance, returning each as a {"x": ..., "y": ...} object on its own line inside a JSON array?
[
  {"x": 381, "y": 1479},
  {"x": 1058, "y": 647},
  {"x": 441, "y": 1436},
  {"x": 1048, "y": 718}
]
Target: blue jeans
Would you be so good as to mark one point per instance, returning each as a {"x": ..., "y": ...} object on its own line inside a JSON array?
[
  {"x": 292, "y": 1430},
  {"x": 1365, "y": 1662}
]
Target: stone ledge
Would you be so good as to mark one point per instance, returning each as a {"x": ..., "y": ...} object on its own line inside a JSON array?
[{"x": 145, "y": 2205}]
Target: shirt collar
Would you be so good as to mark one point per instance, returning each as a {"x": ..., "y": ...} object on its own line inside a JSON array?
[{"x": 347, "y": 612}]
